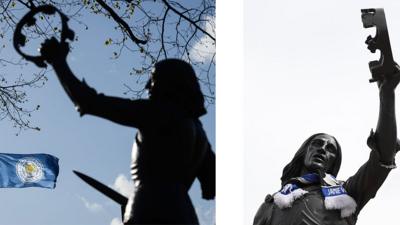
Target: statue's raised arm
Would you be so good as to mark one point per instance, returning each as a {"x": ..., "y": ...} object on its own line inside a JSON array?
[
  {"x": 386, "y": 72},
  {"x": 310, "y": 192},
  {"x": 386, "y": 129}
]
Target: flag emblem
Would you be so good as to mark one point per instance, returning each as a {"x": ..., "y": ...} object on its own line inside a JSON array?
[{"x": 29, "y": 170}]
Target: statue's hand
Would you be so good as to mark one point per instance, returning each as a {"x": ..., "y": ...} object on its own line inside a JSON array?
[
  {"x": 53, "y": 51},
  {"x": 389, "y": 83}
]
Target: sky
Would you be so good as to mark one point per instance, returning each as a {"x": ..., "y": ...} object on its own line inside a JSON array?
[
  {"x": 92, "y": 145},
  {"x": 306, "y": 71},
  {"x": 285, "y": 70}
]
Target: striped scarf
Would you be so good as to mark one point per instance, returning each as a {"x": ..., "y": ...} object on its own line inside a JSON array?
[{"x": 335, "y": 196}]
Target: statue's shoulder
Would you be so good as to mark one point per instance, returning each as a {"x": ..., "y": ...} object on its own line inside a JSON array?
[
  {"x": 264, "y": 213},
  {"x": 269, "y": 199}
]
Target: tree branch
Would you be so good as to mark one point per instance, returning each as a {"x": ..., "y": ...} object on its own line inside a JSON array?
[
  {"x": 188, "y": 19},
  {"x": 162, "y": 33},
  {"x": 121, "y": 22}
]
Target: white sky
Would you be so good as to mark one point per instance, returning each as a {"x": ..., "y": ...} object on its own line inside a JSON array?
[{"x": 306, "y": 71}]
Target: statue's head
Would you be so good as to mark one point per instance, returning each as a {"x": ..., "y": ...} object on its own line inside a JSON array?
[
  {"x": 175, "y": 80},
  {"x": 319, "y": 152}
]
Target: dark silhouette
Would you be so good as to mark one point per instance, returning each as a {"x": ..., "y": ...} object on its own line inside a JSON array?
[
  {"x": 308, "y": 181},
  {"x": 310, "y": 193},
  {"x": 134, "y": 25},
  {"x": 171, "y": 148},
  {"x": 376, "y": 18}
]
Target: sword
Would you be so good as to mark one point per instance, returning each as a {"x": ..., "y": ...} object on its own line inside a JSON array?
[{"x": 104, "y": 189}]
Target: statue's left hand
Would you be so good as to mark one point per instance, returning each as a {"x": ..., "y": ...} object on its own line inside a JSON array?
[
  {"x": 53, "y": 51},
  {"x": 390, "y": 82}
]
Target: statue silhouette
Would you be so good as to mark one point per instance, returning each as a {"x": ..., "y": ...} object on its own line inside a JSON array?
[
  {"x": 171, "y": 148},
  {"x": 310, "y": 193}
]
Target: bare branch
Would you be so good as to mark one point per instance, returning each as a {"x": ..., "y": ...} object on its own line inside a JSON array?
[
  {"x": 188, "y": 19},
  {"x": 121, "y": 22},
  {"x": 187, "y": 33},
  {"x": 162, "y": 33}
]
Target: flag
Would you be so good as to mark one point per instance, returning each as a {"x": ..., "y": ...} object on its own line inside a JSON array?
[{"x": 28, "y": 170}]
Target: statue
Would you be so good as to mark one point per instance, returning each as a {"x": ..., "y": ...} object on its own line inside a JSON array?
[
  {"x": 171, "y": 148},
  {"x": 310, "y": 193}
]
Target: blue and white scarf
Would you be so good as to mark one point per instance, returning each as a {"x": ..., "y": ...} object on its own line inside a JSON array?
[{"x": 335, "y": 195}]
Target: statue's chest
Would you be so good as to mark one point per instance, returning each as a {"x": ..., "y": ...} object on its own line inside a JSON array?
[{"x": 309, "y": 210}]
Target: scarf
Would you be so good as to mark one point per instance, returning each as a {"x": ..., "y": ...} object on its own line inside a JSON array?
[{"x": 335, "y": 196}]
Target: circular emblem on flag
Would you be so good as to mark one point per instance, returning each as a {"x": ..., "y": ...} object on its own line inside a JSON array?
[{"x": 29, "y": 170}]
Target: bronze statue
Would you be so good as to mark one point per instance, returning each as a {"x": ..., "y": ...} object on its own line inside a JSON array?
[
  {"x": 310, "y": 193},
  {"x": 171, "y": 148}
]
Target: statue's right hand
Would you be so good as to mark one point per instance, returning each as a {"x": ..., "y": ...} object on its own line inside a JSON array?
[{"x": 53, "y": 51}]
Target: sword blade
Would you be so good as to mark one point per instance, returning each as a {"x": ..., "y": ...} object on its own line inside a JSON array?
[{"x": 109, "y": 192}]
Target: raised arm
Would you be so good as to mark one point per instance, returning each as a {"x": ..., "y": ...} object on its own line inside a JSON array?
[
  {"x": 386, "y": 130},
  {"x": 86, "y": 99},
  {"x": 363, "y": 185}
]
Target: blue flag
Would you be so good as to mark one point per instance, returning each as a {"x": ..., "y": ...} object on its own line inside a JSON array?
[{"x": 28, "y": 170}]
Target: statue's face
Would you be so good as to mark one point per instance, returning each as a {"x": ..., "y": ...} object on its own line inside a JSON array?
[
  {"x": 149, "y": 87},
  {"x": 321, "y": 153},
  {"x": 150, "y": 84},
  {"x": 158, "y": 87}
]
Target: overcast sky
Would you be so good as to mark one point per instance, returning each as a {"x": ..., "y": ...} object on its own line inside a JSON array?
[{"x": 306, "y": 71}]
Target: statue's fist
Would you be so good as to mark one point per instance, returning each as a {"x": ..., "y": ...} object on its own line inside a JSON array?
[
  {"x": 390, "y": 82},
  {"x": 53, "y": 51}
]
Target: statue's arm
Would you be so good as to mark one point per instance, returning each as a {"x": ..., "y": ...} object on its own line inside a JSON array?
[
  {"x": 78, "y": 91},
  {"x": 86, "y": 99},
  {"x": 365, "y": 183},
  {"x": 206, "y": 175},
  {"x": 386, "y": 130}
]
